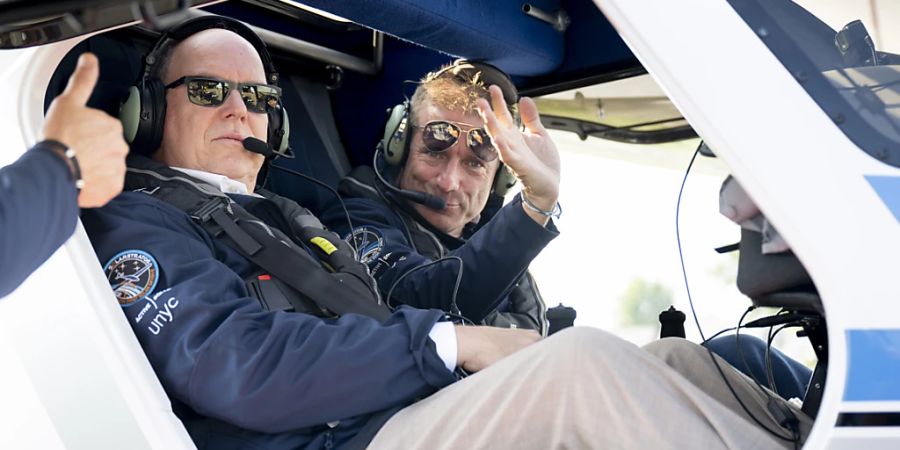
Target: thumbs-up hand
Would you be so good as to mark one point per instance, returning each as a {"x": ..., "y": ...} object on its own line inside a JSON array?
[{"x": 95, "y": 136}]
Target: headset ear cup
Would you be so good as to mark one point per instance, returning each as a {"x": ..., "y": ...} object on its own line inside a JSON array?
[
  {"x": 143, "y": 116},
  {"x": 285, "y": 145},
  {"x": 394, "y": 141},
  {"x": 157, "y": 114},
  {"x": 279, "y": 132},
  {"x": 503, "y": 181},
  {"x": 130, "y": 114}
]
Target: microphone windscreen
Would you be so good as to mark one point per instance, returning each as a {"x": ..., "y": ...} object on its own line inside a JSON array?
[
  {"x": 434, "y": 202},
  {"x": 255, "y": 145},
  {"x": 424, "y": 199}
]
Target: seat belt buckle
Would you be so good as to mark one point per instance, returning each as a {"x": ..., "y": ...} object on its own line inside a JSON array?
[
  {"x": 218, "y": 211},
  {"x": 204, "y": 213}
]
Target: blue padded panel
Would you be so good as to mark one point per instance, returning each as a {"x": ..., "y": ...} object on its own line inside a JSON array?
[
  {"x": 591, "y": 42},
  {"x": 495, "y": 31},
  {"x": 359, "y": 105}
]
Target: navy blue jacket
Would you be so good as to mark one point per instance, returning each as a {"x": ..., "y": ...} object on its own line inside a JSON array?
[
  {"x": 494, "y": 257},
  {"x": 38, "y": 211},
  {"x": 239, "y": 376}
]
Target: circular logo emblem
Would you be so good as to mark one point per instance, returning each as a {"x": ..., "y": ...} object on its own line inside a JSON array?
[
  {"x": 133, "y": 275},
  {"x": 368, "y": 241}
]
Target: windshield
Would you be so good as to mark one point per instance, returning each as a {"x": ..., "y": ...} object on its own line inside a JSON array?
[
  {"x": 846, "y": 55},
  {"x": 632, "y": 110}
]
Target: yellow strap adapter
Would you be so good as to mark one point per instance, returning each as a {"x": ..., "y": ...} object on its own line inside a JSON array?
[{"x": 324, "y": 244}]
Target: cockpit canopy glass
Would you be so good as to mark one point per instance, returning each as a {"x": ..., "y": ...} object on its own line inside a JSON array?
[{"x": 846, "y": 55}]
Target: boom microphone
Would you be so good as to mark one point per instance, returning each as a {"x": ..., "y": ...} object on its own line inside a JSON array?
[
  {"x": 252, "y": 144},
  {"x": 419, "y": 197},
  {"x": 255, "y": 145}
]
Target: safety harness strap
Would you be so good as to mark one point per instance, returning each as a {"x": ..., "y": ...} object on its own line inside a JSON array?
[{"x": 347, "y": 289}]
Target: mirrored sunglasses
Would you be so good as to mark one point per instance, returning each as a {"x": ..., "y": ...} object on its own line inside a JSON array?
[
  {"x": 440, "y": 135},
  {"x": 212, "y": 92}
]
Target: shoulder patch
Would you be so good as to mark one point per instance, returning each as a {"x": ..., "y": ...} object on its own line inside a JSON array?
[
  {"x": 133, "y": 275},
  {"x": 369, "y": 242}
]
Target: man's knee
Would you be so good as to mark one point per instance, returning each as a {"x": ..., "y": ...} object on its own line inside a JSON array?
[
  {"x": 577, "y": 346},
  {"x": 578, "y": 341},
  {"x": 676, "y": 352}
]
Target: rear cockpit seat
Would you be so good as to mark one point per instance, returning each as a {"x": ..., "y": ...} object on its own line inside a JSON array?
[{"x": 770, "y": 274}]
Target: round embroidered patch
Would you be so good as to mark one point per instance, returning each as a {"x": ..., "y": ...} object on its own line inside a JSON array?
[
  {"x": 368, "y": 241},
  {"x": 133, "y": 275}
]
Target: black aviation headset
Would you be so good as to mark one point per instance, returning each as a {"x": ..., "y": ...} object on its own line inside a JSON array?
[
  {"x": 144, "y": 111},
  {"x": 395, "y": 143}
]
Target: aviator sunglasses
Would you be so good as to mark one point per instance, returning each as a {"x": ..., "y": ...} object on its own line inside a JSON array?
[
  {"x": 440, "y": 135},
  {"x": 212, "y": 92}
]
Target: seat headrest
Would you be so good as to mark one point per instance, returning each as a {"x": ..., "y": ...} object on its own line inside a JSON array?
[
  {"x": 120, "y": 65},
  {"x": 768, "y": 271}
]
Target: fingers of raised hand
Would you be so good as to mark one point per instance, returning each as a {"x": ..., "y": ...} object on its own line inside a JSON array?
[
  {"x": 499, "y": 106},
  {"x": 528, "y": 111},
  {"x": 103, "y": 172},
  {"x": 491, "y": 123},
  {"x": 84, "y": 78},
  {"x": 101, "y": 151}
]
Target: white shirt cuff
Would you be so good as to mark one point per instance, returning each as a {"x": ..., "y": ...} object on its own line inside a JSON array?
[{"x": 443, "y": 334}]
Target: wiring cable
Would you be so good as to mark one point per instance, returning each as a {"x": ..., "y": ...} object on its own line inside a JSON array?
[
  {"x": 793, "y": 438},
  {"x": 719, "y": 333},
  {"x": 782, "y": 415},
  {"x": 334, "y": 191},
  {"x": 454, "y": 311},
  {"x": 678, "y": 239}
]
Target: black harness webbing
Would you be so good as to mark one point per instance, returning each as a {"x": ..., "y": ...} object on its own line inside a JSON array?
[{"x": 336, "y": 283}]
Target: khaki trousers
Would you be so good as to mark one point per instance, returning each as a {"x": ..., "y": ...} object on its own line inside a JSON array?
[{"x": 586, "y": 389}]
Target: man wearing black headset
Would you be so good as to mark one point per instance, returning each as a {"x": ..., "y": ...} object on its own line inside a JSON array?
[
  {"x": 80, "y": 163},
  {"x": 252, "y": 358},
  {"x": 441, "y": 196}
]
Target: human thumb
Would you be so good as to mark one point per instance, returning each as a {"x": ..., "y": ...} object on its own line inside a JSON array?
[{"x": 84, "y": 78}]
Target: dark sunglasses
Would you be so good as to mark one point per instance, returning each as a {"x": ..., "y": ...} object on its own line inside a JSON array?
[
  {"x": 212, "y": 92},
  {"x": 439, "y": 135}
]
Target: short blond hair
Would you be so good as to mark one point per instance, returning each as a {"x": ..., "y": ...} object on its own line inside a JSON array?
[{"x": 454, "y": 89}]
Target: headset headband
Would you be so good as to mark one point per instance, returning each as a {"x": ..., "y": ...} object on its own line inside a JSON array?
[
  {"x": 478, "y": 72},
  {"x": 198, "y": 24},
  {"x": 143, "y": 112}
]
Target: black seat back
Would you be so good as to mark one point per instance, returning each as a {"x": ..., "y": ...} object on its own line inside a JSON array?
[{"x": 776, "y": 280}]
